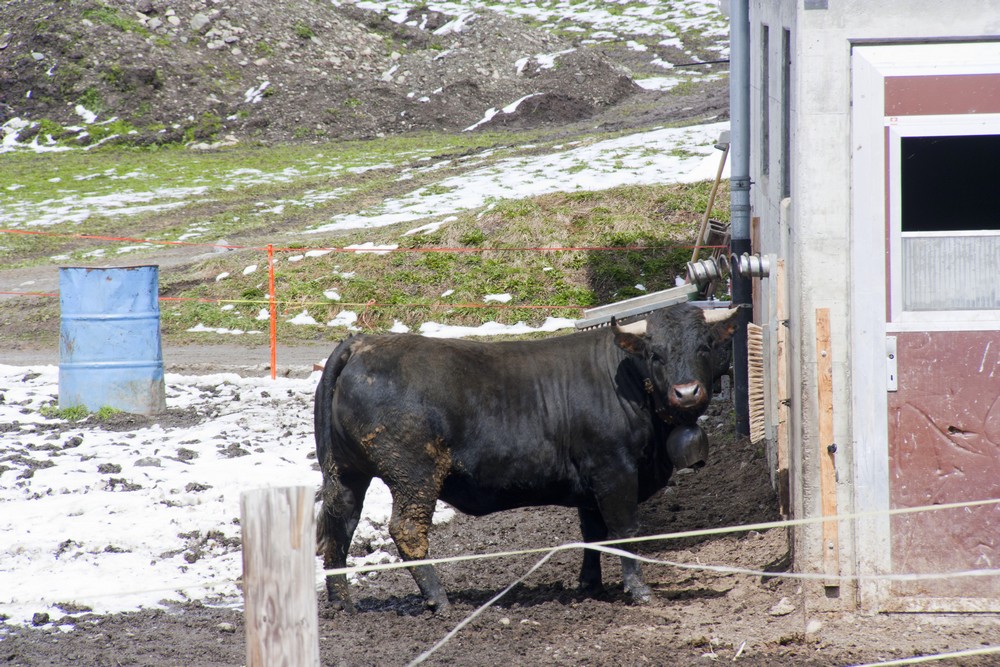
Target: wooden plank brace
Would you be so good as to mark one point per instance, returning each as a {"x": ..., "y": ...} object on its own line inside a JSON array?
[{"x": 827, "y": 447}]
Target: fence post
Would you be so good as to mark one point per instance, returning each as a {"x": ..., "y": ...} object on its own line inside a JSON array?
[
  {"x": 272, "y": 309},
  {"x": 279, "y": 577}
]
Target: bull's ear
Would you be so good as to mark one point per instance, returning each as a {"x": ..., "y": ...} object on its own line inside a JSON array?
[
  {"x": 723, "y": 325},
  {"x": 627, "y": 338}
]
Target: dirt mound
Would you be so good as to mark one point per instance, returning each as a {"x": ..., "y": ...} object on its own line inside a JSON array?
[{"x": 217, "y": 71}]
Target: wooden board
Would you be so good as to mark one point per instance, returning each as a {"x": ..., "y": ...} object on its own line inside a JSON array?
[
  {"x": 781, "y": 315},
  {"x": 827, "y": 447},
  {"x": 635, "y": 307}
]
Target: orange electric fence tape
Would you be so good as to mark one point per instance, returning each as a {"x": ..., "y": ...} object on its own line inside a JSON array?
[
  {"x": 273, "y": 311},
  {"x": 272, "y": 301},
  {"x": 358, "y": 250}
]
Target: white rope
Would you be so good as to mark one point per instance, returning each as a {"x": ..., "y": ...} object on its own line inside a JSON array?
[
  {"x": 702, "y": 532},
  {"x": 711, "y": 568},
  {"x": 990, "y": 650},
  {"x": 607, "y": 547},
  {"x": 471, "y": 617}
]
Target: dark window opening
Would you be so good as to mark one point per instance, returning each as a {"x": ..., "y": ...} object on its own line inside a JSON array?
[
  {"x": 949, "y": 183},
  {"x": 765, "y": 102},
  {"x": 786, "y": 113}
]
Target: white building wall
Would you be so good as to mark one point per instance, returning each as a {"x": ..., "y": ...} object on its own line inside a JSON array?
[{"x": 815, "y": 244}]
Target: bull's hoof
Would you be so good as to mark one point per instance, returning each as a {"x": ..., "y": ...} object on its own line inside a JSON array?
[
  {"x": 440, "y": 607},
  {"x": 339, "y": 605},
  {"x": 640, "y": 593},
  {"x": 338, "y": 595},
  {"x": 336, "y": 601},
  {"x": 590, "y": 589}
]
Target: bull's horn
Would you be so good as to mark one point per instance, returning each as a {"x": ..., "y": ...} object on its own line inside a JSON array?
[
  {"x": 637, "y": 328},
  {"x": 713, "y": 315}
]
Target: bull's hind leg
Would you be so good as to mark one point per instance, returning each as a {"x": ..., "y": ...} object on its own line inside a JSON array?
[
  {"x": 343, "y": 499},
  {"x": 593, "y": 530},
  {"x": 409, "y": 525}
]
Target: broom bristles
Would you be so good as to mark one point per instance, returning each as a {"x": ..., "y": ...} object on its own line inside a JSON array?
[{"x": 755, "y": 381}]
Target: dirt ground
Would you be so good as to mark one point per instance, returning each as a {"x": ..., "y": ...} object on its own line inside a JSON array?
[{"x": 696, "y": 617}]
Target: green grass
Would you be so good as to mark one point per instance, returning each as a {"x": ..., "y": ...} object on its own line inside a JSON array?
[
  {"x": 73, "y": 414},
  {"x": 48, "y": 181},
  {"x": 106, "y": 412},
  {"x": 80, "y": 173},
  {"x": 111, "y": 17},
  {"x": 77, "y": 413},
  {"x": 303, "y": 30},
  {"x": 634, "y": 234},
  {"x": 655, "y": 223}
]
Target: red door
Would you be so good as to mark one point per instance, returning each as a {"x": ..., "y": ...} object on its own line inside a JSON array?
[
  {"x": 942, "y": 320},
  {"x": 944, "y": 447}
]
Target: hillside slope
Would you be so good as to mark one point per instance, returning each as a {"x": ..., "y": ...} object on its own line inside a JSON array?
[{"x": 160, "y": 72}]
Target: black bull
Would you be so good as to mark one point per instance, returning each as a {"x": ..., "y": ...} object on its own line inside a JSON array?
[{"x": 586, "y": 420}]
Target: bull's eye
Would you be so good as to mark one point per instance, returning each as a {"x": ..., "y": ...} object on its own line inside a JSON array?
[
  {"x": 656, "y": 359},
  {"x": 705, "y": 349}
]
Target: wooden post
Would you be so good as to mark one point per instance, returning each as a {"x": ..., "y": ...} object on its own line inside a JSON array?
[
  {"x": 827, "y": 448},
  {"x": 784, "y": 398},
  {"x": 272, "y": 306},
  {"x": 279, "y": 577}
]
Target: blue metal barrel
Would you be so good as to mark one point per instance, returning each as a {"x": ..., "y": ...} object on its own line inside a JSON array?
[{"x": 109, "y": 339}]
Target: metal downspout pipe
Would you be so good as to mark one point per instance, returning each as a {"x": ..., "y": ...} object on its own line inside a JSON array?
[{"x": 739, "y": 118}]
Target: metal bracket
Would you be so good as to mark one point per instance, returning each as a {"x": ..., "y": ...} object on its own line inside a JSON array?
[{"x": 891, "y": 378}]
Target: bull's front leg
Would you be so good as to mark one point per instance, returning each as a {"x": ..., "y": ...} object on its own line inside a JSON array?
[
  {"x": 632, "y": 577},
  {"x": 621, "y": 515},
  {"x": 409, "y": 526}
]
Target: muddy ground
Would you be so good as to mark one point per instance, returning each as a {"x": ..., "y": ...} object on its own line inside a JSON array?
[{"x": 696, "y": 617}]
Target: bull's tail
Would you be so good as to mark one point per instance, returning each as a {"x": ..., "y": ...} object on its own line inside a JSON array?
[
  {"x": 340, "y": 503},
  {"x": 323, "y": 426}
]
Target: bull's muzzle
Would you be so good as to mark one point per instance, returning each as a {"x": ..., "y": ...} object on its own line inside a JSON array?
[
  {"x": 687, "y": 396},
  {"x": 687, "y": 447}
]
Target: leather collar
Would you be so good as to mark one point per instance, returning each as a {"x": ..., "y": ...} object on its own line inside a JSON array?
[{"x": 655, "y": 399}]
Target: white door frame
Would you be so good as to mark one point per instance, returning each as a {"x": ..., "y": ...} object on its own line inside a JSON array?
[
  {"x": 873, "y": 137},
  {"x": 869, "y": 404}
]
